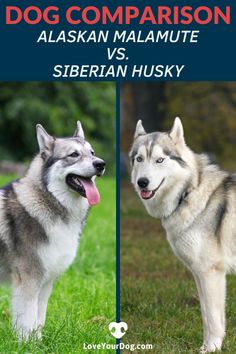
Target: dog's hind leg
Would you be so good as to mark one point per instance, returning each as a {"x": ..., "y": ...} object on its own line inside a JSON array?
[
  {"x": 25, "y": 309},
  {"x": 212, "y": 289},
  {"x": 44, "y": 294}
]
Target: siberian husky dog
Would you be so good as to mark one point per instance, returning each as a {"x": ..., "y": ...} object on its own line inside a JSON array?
[
  {"x": 41, "y": 218},
  {"x": 196, "y": 202}
]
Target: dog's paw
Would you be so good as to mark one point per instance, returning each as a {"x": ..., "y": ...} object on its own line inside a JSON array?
[
  {"x": 211, "y": 346},
  {"x": 38, "y": 334},
  {"x": 29, "y": 335}
]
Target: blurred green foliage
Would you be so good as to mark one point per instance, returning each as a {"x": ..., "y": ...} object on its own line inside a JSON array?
[
  {"x": 57, "y": 106},
  {"x": 208, "y": 113},
  {"x": 207, "y": 110}
]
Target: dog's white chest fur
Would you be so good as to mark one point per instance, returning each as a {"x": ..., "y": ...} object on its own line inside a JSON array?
[
  {"x": 186, "y": 246},
  {"x": 60, "y": 251}
]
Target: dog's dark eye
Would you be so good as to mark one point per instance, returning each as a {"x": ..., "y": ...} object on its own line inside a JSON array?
[
  {"x": 74, "y": 154},
  {"x": 92, "y": 152},
  {"x": 139, "y": 159},
  {"x": 160, "y": 160}
]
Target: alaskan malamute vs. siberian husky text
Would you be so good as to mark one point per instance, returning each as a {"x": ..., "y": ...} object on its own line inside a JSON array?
[
  {"x": 41, "y": 218},
  {"x": 196, "y": 202}
]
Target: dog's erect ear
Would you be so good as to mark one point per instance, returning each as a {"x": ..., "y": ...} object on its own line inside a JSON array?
[
  {"x": 79, "y": 131},
  {"x": 139, "y": 130},
  {"x": 177, "y": 131},
  {"x": 45, "y": 140}
]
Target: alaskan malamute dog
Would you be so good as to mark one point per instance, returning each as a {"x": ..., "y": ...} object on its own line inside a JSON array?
[
  {"x": 196, "y": 202},
  {"x": 41, "y": 218}
]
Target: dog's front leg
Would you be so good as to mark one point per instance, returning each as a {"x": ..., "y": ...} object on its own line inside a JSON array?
[
  {"x": 212, "y": 289},
  {"x": 25, "y": 310},
  {"x": 203, "y": 309},
  {"x": 44, "y": 294}
]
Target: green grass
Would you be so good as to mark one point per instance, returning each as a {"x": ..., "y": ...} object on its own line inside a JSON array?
[
  {"x": 159, "y": 299},
  {"x": 83, "y": 300}
]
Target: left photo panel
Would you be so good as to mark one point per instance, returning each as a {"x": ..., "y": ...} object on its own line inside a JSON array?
[{"x": 57, "y": 216}]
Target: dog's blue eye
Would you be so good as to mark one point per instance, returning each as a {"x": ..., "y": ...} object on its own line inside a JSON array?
[
  {"x": 139, "y": 159},
  {"x": 74, "y": 154},
  {"x": 160, "y": 160}
]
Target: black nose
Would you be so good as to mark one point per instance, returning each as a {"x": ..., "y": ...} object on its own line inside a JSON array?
[
  {"x": 99, "y": 165},
  {"x": 143, "y": 182}
]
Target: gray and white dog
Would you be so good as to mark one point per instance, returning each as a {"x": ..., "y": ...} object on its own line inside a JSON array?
[
  {"x": 196, "y": 202},
  {"x": 41, "y": 218}
]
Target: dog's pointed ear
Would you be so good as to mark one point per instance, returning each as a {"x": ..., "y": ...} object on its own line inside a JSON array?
[
  {"x": 177, "y": 131},
  {"x": 45, "y": 140},
  {"x": 139, "y": 130},
  {"x": 79, "y": 132}
]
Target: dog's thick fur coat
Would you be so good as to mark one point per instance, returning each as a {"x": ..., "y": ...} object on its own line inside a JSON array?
[
  {"x": 196, "y": 202},
  {"x": 42, "y": 216}
]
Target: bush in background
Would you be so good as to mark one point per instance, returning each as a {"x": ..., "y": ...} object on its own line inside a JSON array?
[{"x": 57, "y": 106}]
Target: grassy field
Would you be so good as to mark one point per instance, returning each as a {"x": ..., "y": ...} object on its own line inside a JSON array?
[
  {"x": 159, "y": 299},
  {"x": 83, "y": 301}
]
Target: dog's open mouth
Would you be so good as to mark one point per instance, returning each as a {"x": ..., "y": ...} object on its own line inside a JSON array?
[
  {"x": 145, "y": 194},
  {"x": 85, "y": 187}
]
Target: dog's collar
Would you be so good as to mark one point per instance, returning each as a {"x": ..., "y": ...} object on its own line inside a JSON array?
[{"x": 182, "y": 198}]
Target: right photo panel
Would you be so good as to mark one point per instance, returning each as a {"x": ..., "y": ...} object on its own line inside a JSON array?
[{"x": 177, "y": 212}]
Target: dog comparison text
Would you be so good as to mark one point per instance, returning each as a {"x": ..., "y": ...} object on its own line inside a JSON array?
[{"x": 91, "y": 15}]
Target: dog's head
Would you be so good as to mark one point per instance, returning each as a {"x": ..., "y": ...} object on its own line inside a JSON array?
[
  {"x": 70, "y": 164},
  {"x": 159, "y": 163}
]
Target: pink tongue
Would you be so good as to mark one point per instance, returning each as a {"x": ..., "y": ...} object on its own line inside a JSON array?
[
  {"x": 92, "y": 193},
  {"x": 146, "y": 194}
]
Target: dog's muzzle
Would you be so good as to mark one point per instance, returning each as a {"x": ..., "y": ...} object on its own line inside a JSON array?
[
  {"x": 99, "y": 165},
  {"x": 148, "y": 194}
]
